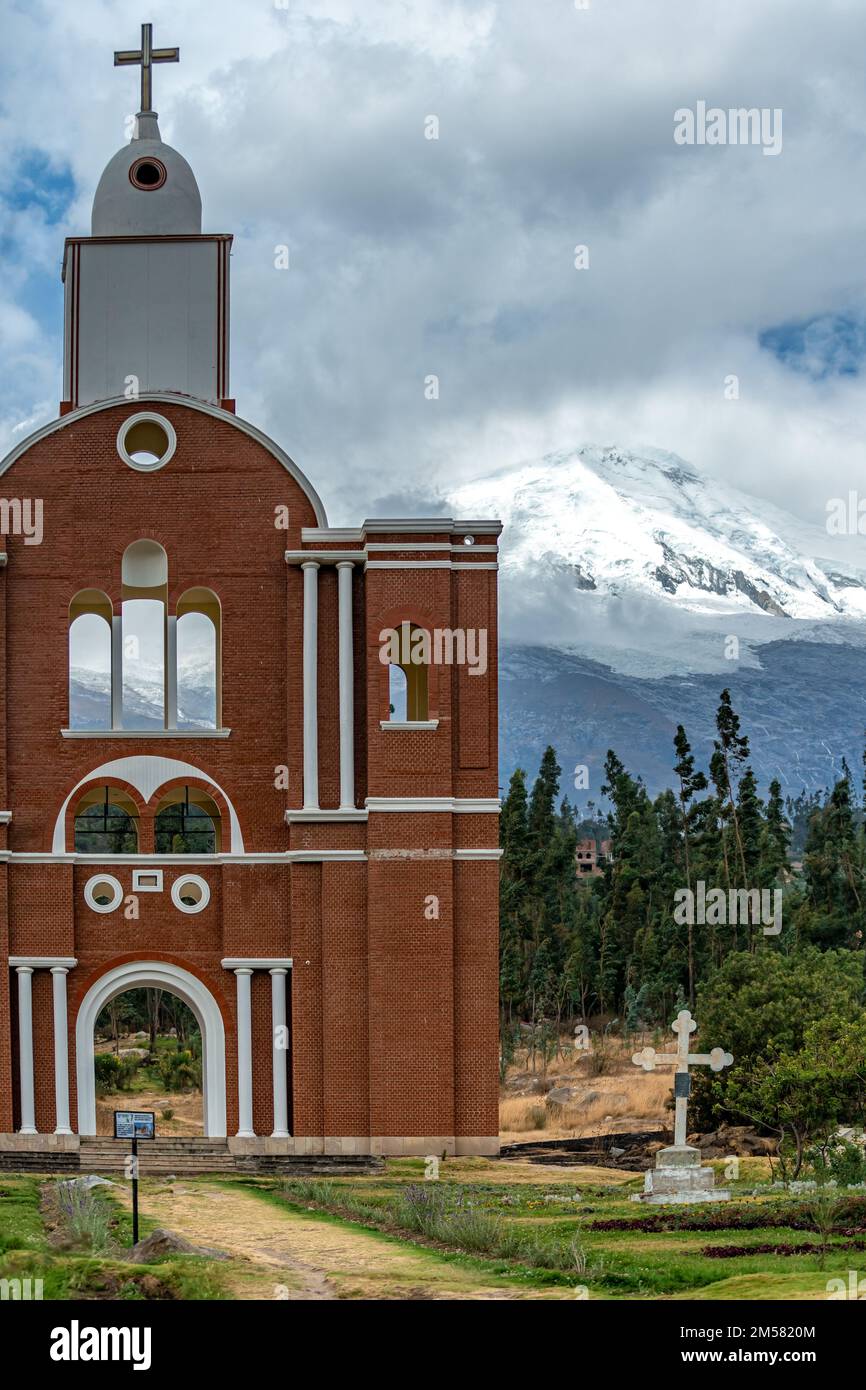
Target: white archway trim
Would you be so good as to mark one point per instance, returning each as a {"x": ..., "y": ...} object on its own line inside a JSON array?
[
  {"x": 204, "y": 408},
  {"x": 151, "y": 974},
  {"x": 147, "y": 774}
]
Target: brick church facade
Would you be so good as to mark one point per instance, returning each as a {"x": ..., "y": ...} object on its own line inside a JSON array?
[{"x": 302, "y": 844}]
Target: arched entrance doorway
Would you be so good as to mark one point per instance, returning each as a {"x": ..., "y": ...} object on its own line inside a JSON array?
[{"x": 154, "y": 975}]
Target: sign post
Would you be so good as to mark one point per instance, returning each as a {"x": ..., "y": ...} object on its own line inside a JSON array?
[{"x": 134, "y": 1125}]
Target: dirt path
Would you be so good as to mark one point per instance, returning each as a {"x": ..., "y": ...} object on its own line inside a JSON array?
[{"x": 280, "y": 1254}]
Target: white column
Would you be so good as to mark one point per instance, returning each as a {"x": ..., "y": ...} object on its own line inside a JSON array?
[
  {"x": 311, "y": 676},
  {"x": 61, "y": 1049},
  {"x": 171, "y": 674},
  {"x": 280, "y": 1047},
  {"x": 245, "y": 1056},
  {"x": 25, "y": 1048},
  {"x": 347, "y": 687},
  {"x": 116, "y": 672}
]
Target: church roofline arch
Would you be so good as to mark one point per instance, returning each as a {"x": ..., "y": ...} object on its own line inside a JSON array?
[{"x": 171, "y": 398}]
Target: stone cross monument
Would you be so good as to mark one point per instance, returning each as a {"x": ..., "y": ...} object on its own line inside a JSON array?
[{"x": 678, "y": 1175}]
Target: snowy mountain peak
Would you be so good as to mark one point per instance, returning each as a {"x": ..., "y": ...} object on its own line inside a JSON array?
[{"x": 648, "y": 525}]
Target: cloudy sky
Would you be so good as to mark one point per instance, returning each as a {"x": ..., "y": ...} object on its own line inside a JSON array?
[{"x": 409, "y": 257}]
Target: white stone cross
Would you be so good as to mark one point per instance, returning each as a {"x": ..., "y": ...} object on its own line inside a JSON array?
[
  {"x": 144, "y": 58},
  {"x": 683, "y": 1025}
]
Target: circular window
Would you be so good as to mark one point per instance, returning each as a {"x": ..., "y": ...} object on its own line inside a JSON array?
[
  {"x": 146, "y": 441},
  {"x": 147, "y": 174},
  {"x": 103, "y": 893},
  {"x": 190, "y": 893}
]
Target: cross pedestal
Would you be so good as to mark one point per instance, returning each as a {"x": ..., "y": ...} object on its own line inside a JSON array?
[{"x": 678, "y": 1176}]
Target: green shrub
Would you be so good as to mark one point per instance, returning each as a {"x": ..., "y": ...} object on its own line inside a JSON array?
[
  {"x": 842, "y": 1162},
  {"x": 86, "y": 1213},
  {"x": 179, "y": 1071}
]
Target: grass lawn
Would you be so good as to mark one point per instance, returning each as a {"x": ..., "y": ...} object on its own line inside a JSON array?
[
  {"x": 484, "y": 1230},
  {"x": 536, "y": 1228},
  {"x": 37, "y": 1242}
]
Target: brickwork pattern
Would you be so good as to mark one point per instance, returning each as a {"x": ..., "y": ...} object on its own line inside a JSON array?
[{"x": 393, "y": 1005}]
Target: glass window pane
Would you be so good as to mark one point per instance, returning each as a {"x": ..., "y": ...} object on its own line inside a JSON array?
[
  {"x": 143, "y": 664},
  {"x": 90, "y": 673},
  {"x": 196, "y": 672}
]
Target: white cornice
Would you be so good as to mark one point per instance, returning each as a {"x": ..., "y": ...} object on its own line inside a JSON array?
[
  {"x": 324, "y": 557},
  {"x": 156, "y": 861},
  {"x": 431, "y": 526},
  {"x": 318, "y": 814},
  {"x": 44, "y": 962},
  {"x": 472, "y": 805},
  {"x": 402, "y": 725},
  {"x": 257, "y": 963},
  {"x": 200, "y": 861},
  {"x": 145, "y": 733}
]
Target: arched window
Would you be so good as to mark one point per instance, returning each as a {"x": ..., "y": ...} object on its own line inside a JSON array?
[
  {"x": 198, "y": 660},
  {"x": 187, "y": 821},
  {"x": 397, "y": 687},
  {"x": 144, "y": 573},
  {"x": 90, "y": 616},
  {"x": 407, "y": 677},
  {"x": 106, "y": 822}
]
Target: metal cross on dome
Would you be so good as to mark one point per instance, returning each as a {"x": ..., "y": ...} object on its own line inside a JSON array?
[
  {"x": 145, "y": 57},
  {"x": 683, "y": 1025}
]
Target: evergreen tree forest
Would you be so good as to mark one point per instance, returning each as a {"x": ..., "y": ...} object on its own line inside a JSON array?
[{"x": 609, "y": 945}]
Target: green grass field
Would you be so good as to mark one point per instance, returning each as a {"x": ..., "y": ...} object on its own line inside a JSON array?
[{"x": 484, "y": 1229}]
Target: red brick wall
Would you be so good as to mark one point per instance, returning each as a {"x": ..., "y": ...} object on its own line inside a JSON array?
[{"x": 394, "y": 1017}]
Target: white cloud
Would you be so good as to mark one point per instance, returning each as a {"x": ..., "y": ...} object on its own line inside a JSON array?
[{"x": 454, "y": 257}]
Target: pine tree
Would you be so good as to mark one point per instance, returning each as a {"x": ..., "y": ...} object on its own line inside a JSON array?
[
  {"x": 732, "y": 751},
  {"x": 690, "y": 783},
  {"x": 777, "y": 838}
]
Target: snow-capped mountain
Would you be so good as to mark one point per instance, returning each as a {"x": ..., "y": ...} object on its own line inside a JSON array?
[
  {"x": 633, "y": 589},
  {"x": 624, "y": 578},
  {"x": 143, "y": 700},
  {"x": 648, "y": 525}
]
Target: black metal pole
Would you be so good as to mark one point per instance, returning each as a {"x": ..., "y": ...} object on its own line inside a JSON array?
[{"x": 134, "y": 1191}]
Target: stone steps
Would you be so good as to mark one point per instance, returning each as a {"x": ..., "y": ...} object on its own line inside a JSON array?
[
  {"x": 186, "y": 1157},
  {"x": 157, "y": 1156}
]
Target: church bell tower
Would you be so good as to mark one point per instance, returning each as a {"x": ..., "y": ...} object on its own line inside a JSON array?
[{"x": 147, "y": 293}]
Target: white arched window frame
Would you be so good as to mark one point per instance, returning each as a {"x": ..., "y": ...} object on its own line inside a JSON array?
[
  {"x": 90, "y": 660},
  {"x": 195, "y": 645},
  {"x": 144, "y": 657}
]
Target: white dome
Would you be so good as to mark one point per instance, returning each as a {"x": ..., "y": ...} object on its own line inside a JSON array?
[{"x": 147, "y": 189}]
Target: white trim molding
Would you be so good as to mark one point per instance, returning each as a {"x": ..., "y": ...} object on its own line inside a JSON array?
[
  {"x": 257, "y": 963},
  {"x": 470, "y": 805},
  {"x": 139, "y": 884},
  {"x": 343, "y": 813},
  {"x": 404, "y": 724},
  {"x": 110, "y": 881},
  {"x": 155, "y": 975},
  {"x": 185, "y": 861},
  {"x": 197, "y": 882},
  {"x": 401, "y": 526},
  {"x": 147, "y": 773},
  {"x": 145, "y": 733},
  {"x": 44, "y": 962},
  {"x": 325, "y": 557},
  {"x": 147, "y": 417}
]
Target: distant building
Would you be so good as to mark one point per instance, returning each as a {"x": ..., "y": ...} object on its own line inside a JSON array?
[{"x": 590, "y": 858}]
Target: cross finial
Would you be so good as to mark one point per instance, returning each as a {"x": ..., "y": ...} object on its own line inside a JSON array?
[{"x": 145, "y": 57}]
